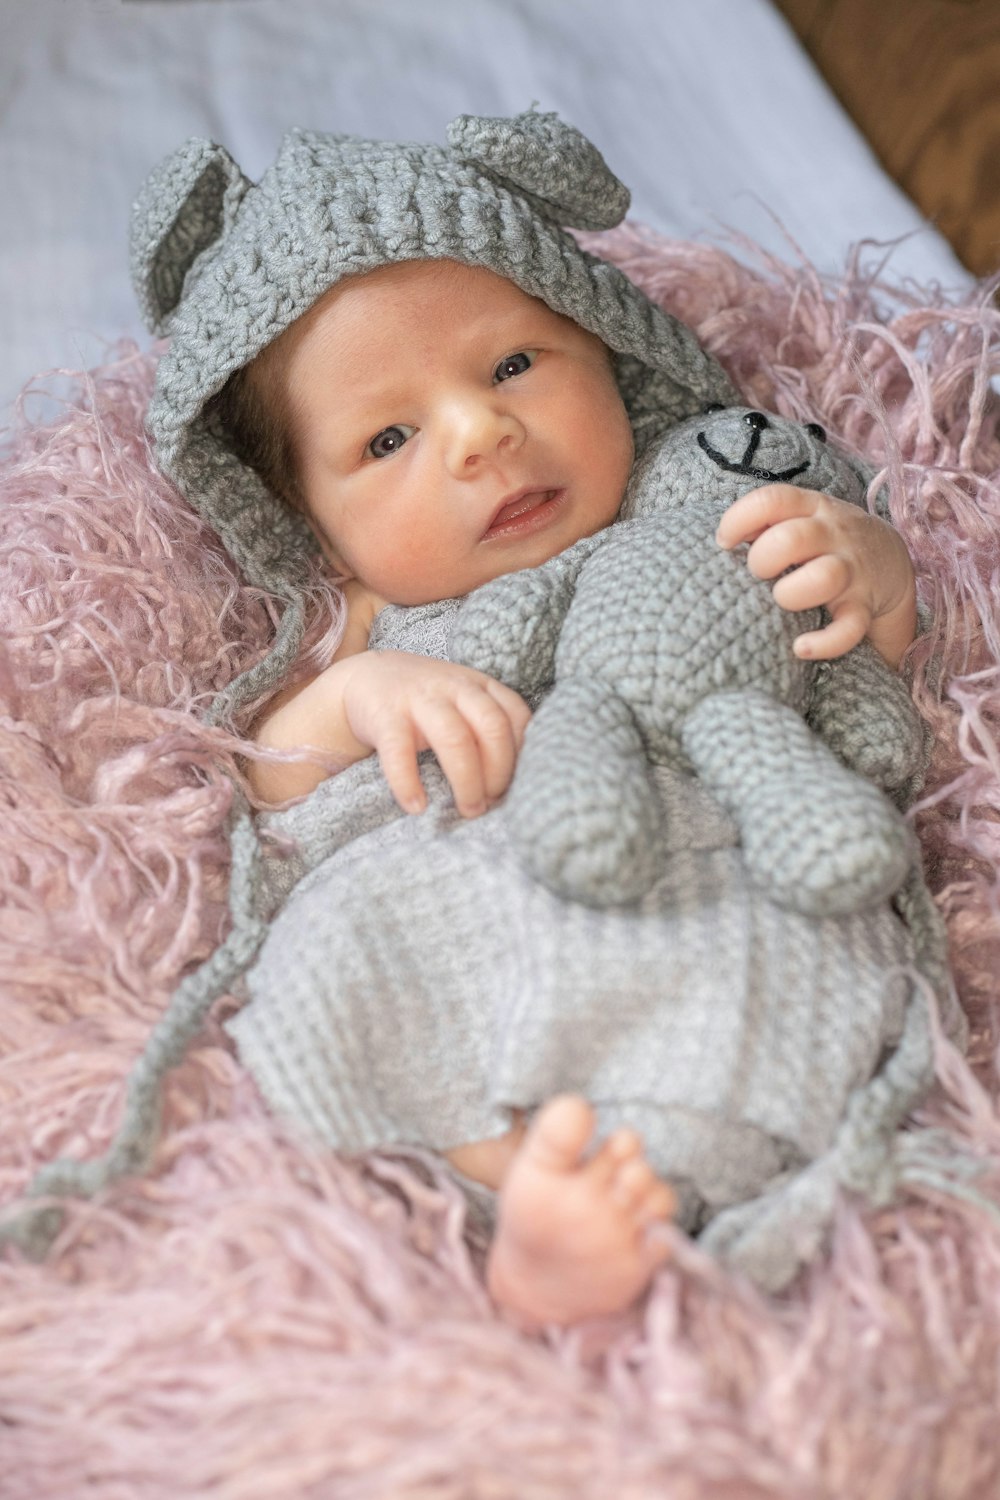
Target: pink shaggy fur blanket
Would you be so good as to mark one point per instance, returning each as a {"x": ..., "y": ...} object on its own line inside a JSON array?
[{"x": 256, "y": 1320}]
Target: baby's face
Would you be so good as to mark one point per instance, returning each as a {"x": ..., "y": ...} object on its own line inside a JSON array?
[{"x": 449, "y": 428}]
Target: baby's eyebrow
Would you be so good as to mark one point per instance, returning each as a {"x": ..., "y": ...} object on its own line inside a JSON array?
[
  {"x": 373, "y": 399},
  {"x": 526, "y": 326}
]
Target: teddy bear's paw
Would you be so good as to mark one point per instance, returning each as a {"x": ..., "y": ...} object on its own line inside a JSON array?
[
  {"x": 816, "y": 837},
  {"x": 583, "y": 811},
  {"x": 865, "y": 713},
  {"x": 824, "y": 850}
]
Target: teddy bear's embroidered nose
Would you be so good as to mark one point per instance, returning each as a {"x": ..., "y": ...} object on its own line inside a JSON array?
[{"x": 758, "y": 423}]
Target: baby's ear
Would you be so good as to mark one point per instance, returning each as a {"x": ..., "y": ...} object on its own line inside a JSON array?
[
  {"x": 185, "y": 205},
  {"x": 565, "y": 175}
]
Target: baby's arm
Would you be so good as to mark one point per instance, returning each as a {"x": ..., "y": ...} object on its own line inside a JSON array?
[
  {"x": 395, "y": 704},
  {"x": 844, "y": 559}
]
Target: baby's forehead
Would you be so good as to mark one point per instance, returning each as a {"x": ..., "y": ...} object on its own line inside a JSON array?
[{"x": 374, "y": 315}]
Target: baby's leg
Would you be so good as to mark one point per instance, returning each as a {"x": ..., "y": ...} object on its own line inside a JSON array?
[
  {"x": 572, "y": 1238},
  {"x": 489, "y": 1161}
]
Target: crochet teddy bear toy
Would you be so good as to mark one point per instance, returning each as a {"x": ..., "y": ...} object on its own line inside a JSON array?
[{"x": 658, "y": 647}]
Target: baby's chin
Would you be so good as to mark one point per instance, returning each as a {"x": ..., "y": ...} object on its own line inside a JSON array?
[{"x": 526, "y": 553}]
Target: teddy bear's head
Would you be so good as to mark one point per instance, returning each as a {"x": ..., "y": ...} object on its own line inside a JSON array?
[{"x": 712, "y": 459}]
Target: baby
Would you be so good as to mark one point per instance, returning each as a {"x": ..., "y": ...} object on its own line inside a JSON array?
[
  {"x": 440, "y": 428},
  {"x": 403, "y": 345}
]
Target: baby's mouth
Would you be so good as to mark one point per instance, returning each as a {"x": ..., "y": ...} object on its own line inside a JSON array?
[{"x": 518, "y": 506}]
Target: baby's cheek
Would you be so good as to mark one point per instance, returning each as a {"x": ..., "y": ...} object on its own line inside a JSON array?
[{"x": 413, "y": 569}]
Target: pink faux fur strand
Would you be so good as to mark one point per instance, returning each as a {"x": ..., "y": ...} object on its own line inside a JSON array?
[{"x": 256, "y": 1320}]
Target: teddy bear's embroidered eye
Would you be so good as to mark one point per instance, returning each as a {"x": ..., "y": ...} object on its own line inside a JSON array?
[
  {"x": 711, "y": 406},
  {"x": 816, "y": 431}
]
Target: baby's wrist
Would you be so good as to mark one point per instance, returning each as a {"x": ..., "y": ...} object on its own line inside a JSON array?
[{"x": 894, "y": 630}]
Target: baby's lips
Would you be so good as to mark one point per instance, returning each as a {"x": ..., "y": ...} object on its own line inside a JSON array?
[{"x": 519, "y": 503}]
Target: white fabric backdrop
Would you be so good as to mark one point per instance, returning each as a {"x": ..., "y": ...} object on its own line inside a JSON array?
[{"x": 708, "y": 109}]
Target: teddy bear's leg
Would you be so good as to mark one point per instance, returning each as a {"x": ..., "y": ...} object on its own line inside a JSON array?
[
  {"x": 816, "y": 836},
  {"x": 583, "y": 811},
  {"x": 864, "y": 712}
]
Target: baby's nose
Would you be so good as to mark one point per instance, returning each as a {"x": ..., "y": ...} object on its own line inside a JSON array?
[{"x": 480, "y": 431}]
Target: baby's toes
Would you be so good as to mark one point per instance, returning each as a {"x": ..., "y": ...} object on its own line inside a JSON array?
[
  {"x": 633, "y": 1182},
  {"x": 559, "y": 1134},
  {"x": 621, "y": 1148},
  {"x": 659, "y": 1204}
]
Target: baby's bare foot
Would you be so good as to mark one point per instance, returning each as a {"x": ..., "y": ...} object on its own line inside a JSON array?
[{"x": 572, "y": 1235}]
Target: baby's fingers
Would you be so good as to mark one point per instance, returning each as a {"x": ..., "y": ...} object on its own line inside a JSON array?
[
  {"x": 397, "y": 753},
  {"x": 513, "y": 705},
  {"x": 787, "y": 545},
  {"x": 447, "y": 731},
  {"x": 497, "y": 719},
  {"x": 818, "y": 582},
  {"x": 754, "y": 512},
  {"x": 849, "y": 626}
]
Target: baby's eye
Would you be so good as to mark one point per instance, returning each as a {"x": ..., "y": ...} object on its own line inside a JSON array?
[
  {"x": 514, "y": 364},
  {"x": 389, "y": 440}
]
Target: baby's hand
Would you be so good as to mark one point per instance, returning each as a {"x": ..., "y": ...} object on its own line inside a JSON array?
[
  {"x": 844, "y": 559},
  {"x": 398, "y": 704}
]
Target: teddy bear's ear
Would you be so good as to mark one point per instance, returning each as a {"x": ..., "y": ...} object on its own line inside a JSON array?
[
  {"x": 185, "y": 205},
  {"x": 566, "y": 176}
]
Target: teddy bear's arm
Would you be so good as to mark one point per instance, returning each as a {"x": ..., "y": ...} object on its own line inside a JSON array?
[
  {"x": 509, "y": 627},
  {"x": 864, "y": 712}
]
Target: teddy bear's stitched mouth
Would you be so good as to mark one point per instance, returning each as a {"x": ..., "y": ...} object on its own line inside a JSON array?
[{"x": 746, "y": 465}]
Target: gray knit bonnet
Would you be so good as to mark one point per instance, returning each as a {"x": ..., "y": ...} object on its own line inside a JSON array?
[{"x": 223, "y": 266}]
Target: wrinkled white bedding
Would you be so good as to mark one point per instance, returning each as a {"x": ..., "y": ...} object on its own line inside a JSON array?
[{"x": 709, "y": 109}]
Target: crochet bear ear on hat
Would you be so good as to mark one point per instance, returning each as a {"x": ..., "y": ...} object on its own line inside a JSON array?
[
  {"x": 186, "y": 204},
  {"x": 565, "y": 175}
]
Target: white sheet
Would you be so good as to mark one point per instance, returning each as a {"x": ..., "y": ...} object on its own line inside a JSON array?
[{"x": 708, "y": 109}]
